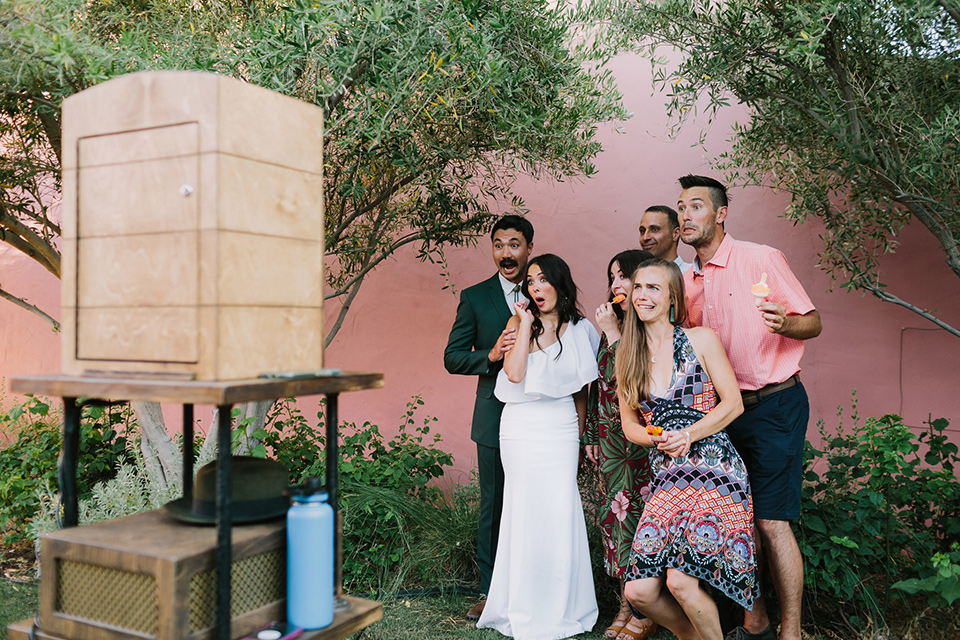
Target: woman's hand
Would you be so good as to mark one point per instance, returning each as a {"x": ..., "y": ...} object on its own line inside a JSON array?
[
  {"x": 593, "y": 453},
  {"x": 607, "y": 321},
  {"x": 520, "y": 310},
  {"x": 675, "y": 444}
]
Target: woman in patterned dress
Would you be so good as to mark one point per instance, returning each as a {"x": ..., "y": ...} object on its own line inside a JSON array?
[
  {"x": 697, "y": 525},
  {"x": 623, "y": 464}
]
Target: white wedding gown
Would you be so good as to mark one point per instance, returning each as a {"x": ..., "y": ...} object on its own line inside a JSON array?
[{"x": 542, "y": 585}]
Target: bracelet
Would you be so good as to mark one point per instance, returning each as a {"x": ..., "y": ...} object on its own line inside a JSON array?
[{"x": 686, "y": 434}]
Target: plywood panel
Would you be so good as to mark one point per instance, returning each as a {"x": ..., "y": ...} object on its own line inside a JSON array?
[
  {"x": 141, "y": 270},
  {"x": 269, "y": 271},
  {"x": 157, "y": 334},
  {"x": 140, "y": 101},
  {"x": 269, "y": 339},
  {"x": 142, "y": 144},
  {"x": 265, "y": 198},
  {"x": 295, "y": 140},
  {"x": 138, "y": 197},
  {"x": 68, "y": 211}
]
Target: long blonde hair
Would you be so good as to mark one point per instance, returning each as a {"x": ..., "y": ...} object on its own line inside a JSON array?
[{"x": 633, "y": 354}]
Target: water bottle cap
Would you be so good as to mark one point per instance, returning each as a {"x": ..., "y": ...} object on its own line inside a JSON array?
[{"x": 312, "y": 490}]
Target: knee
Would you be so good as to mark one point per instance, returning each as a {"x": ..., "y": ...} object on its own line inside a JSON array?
[
  {"x": 682, "y": 586},
  {"x": 772, "y": 531},
  {"x": 641, "y": 593}
]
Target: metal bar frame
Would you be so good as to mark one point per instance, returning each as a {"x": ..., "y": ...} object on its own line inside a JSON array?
[{"x": 67, "y": 476}]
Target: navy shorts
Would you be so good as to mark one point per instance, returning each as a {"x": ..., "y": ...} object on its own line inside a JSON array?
[{"x": 769, "y": 436}]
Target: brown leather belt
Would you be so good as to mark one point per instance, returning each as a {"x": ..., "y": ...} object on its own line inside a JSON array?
[{"x": 751, "y": 398}]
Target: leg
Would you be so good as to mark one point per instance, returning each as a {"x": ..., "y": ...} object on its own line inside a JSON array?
[
  {"x": 491, "y": 504},
  {"x": 648, "y": 596},
  {"x": 786, "y": 567},
  {"x": 626, "y": 625},
  {"x": 758, "y": 619},
  {"x": 623, "y": 616},
  {"x": 700, "y": 608},
  {"x": 769, "y": 437}
]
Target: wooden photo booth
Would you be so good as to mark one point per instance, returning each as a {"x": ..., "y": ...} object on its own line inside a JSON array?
[{"x": 192, "y": 229}]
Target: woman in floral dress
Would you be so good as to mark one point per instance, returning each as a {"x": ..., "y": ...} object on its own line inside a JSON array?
[
  {"x": 623, "y": 464},
  {"x": 696, "y": 531}
]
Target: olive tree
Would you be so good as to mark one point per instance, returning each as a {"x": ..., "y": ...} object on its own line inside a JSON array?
[
  {"x": 854, "y": 110},
  {"x": 433, "y": 107}
]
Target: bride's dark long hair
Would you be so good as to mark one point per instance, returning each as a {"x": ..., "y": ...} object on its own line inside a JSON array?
[{"x": 557, "y": 273}]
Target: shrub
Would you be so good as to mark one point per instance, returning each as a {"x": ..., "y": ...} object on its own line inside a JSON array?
[
  {"x": 876, "y": 514},
  {"x": 29, "y": 462},
  {"x": 385, "y": 496}
]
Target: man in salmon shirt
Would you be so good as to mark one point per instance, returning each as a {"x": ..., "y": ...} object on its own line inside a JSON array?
[{"x": 763, "y": 336}]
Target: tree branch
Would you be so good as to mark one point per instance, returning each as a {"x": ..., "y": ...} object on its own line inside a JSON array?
[
  {"x": 863, "y": 282},
  {"x": 337, "y": 96},
  {"x": 368, "y": 267},
  {"x": 23, "y": 304},
  {"x": 951, "y": 9},
  {"x": 28, "y": 242}
]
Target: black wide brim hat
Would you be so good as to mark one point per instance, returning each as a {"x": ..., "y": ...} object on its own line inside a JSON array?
[{"x": 258, "y": 493}]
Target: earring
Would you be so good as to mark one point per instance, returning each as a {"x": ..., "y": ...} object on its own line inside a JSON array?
[{"x": 672, "y": 318}]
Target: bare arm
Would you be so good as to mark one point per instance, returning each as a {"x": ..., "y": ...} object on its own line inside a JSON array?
[
  {"x": 633, "y": 429},
  {"x": 790, "y": 326},
  {"x": 515, "y": 360},
  {"x": 710, "y": 352}
]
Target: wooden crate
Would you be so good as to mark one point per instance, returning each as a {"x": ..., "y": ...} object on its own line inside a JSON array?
[
  {"x": 149, "y": 577},
  {"x": 358, "y": 615},
  {"x": 192, "y": 229}
]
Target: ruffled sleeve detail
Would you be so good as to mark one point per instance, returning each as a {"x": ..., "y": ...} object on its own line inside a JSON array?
[{"x": 552, "y": 376}]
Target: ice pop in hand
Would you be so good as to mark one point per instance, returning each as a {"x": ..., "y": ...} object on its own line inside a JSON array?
[
  {"x": 617, "y": 299},
  {"x": 654, "y": 430},
  {"x": 761, "y": 290}
]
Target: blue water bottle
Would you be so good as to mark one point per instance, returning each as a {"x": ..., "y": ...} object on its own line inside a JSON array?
[{"x": 310, "y": 556}]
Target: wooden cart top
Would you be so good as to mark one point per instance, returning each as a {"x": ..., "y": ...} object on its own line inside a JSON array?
[{"x": 218, "y": 392}]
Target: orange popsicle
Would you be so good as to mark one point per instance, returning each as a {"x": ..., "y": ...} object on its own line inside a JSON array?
[
  {"x": 617, "y": 299},
  {"x": 761, "y": 290}
]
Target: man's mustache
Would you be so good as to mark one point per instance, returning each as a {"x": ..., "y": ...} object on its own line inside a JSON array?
[{"x": 506, "y": 263}]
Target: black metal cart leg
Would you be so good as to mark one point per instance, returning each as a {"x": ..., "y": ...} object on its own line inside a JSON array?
[
  {"x": 333, "y": 487},
  {"x": 188, "y": 451},
  {"x": 224, "y": 521},
  {"x": 67, "y": 466}
]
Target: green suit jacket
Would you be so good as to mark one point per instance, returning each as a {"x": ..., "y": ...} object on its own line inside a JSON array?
[{"x": 481, "y": 316}]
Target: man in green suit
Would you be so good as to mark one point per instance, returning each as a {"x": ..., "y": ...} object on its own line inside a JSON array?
[{"x": 476, "y": 346}]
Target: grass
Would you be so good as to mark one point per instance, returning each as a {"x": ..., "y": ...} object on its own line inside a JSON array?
[
  {"x": 443, "y": 617},
  {"x": 18, "y": 601}
]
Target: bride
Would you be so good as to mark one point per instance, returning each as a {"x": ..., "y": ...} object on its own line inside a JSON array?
[{"x": 542, "y": 585}]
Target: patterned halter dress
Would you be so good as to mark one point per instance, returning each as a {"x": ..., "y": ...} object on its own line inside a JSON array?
[{"x": 699, "y": 516}]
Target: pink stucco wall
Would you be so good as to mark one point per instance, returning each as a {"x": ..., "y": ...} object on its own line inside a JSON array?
[{"x": 897, "y": 362}]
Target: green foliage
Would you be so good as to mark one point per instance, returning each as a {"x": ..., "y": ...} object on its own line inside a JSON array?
[
  {"x": 386, "y": 501},
  {"x": 941, "y": 582},
  {"x": 854, "y": 110},
  {"x": 433, "y": 108},
  {"x": 877, "y": 512},
  {"x": 29, "y": 461}
]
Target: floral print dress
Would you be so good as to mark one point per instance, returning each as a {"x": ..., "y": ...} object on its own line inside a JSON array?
[{"x": 624, "y": 466}]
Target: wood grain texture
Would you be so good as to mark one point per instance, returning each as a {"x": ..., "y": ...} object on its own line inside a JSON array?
[
  {"x": 147, "y": 334},
  {"x": 259, "y": 270},
  {"x": 227, "y": 279},
  {"x": 193, "y": 391},
  {"x": 155, "y": 270}
]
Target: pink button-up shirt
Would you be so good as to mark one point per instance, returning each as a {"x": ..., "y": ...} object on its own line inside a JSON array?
[{"x": 719, "y": 297}]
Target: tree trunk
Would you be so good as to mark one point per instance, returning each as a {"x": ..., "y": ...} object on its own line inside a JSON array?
[
  {"x": 160, "y": 453},
  {"x": 258, "y": 410}
]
